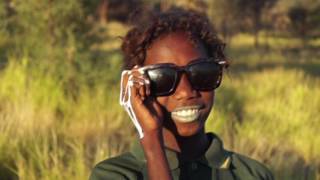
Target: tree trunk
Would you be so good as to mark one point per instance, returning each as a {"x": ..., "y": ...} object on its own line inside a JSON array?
[
  {"x": 256, "y": 23},
  {"x": 103, "y": 12},
  {"x": 256, "y": 30},
  {"x": 164, "y": 5}
]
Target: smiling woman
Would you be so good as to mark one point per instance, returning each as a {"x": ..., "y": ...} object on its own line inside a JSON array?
[{"x": 173, "y": 64}]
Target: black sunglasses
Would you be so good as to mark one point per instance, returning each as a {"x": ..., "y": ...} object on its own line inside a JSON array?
[{"x": 204, "y": 74}]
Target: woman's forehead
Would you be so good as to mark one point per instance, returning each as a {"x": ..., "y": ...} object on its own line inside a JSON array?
[{"x": 176, "y": 48}]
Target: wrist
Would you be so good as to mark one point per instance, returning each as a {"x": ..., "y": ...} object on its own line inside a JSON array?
[
  {"x": 151, "y": 137},
  {"x": 157, "y": 163},
  {"x": 152, "y": 142}
]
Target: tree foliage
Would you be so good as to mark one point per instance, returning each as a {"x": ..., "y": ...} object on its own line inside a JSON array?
[{"x": 305, "y": 20}]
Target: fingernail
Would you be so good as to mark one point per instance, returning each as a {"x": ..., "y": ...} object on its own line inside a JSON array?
[
  {"x": 124, "y": 72},
  {"x": 141, "y": 71}
]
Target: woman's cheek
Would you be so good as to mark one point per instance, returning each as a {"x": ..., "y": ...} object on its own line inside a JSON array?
[{"x": 208, "y": 98}]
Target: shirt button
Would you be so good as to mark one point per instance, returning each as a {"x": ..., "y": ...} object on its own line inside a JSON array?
[{"x": 194, "y": 166}]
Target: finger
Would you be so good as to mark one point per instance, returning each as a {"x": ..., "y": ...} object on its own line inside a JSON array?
[
  {"x": 137, "y": 66},
  {"x": 137, "y": 79},
  {"x": 140, "y": 83},
  {"x": 147, "y": 86},
  {"x": 138, "y": 70},
  {"x": 138, "y": 90},
  {"x": 145, "y": 90},
  {"x": 134, "y": 95},
  {"x": 131, "y": 111},
  {"x": 128, "y": 78},
  {"x": 141, "y": 74},
  {"x": 146, "y": 81},
  {"x": 142, "y": 92}
]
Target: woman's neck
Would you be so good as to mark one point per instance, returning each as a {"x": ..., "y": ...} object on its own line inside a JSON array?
[{"x": 188, "y": 147}]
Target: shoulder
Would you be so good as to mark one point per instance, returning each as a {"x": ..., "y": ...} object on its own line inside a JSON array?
[
  {"x": 124, "y": 166},
  {"x": 246, "y": 167}
]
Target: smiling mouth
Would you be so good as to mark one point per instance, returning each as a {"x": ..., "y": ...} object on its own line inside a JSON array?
[{"x": 186, "y": 114}]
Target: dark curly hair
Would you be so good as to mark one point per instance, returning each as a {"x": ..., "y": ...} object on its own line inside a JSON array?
[{"x": 149, "y": 25}]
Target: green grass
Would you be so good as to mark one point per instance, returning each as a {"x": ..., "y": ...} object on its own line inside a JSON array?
[{"x": 266, "y": 108}]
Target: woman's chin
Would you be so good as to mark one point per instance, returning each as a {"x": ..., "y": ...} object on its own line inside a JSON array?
[{"x": 186, "y": 129}]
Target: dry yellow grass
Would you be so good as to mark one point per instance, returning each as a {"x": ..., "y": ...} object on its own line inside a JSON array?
[{"x": 266, "y": 108}]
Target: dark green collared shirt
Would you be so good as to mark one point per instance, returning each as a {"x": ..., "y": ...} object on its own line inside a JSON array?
[{"x": 217, "y": 163}]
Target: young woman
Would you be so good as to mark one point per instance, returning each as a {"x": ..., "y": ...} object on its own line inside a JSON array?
[{"x": 173, "y": 63}]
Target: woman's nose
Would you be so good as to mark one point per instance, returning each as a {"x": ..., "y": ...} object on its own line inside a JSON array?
[{"x": 184, "y": 89}]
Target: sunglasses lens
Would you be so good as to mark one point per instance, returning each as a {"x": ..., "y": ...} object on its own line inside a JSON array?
[
  {"x": 162, "y": 80},
  {"x": 205, "y": 75}
]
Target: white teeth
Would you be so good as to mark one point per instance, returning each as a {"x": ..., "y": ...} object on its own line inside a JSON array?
[
  {"x": 185, "y": 115},
  {"x": 188, "y": 112}
]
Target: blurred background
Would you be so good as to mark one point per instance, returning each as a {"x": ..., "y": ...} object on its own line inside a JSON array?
[{"x": 59, "y": 82}]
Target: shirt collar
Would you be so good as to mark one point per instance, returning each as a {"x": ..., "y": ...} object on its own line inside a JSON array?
[{"x": 215, "y": 156}]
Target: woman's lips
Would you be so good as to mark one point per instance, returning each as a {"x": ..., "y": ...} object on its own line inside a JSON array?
[{"x": 186, "y": 114}]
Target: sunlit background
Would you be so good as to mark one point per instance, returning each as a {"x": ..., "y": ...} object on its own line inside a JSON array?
[{"x": 59, "y": 82}]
